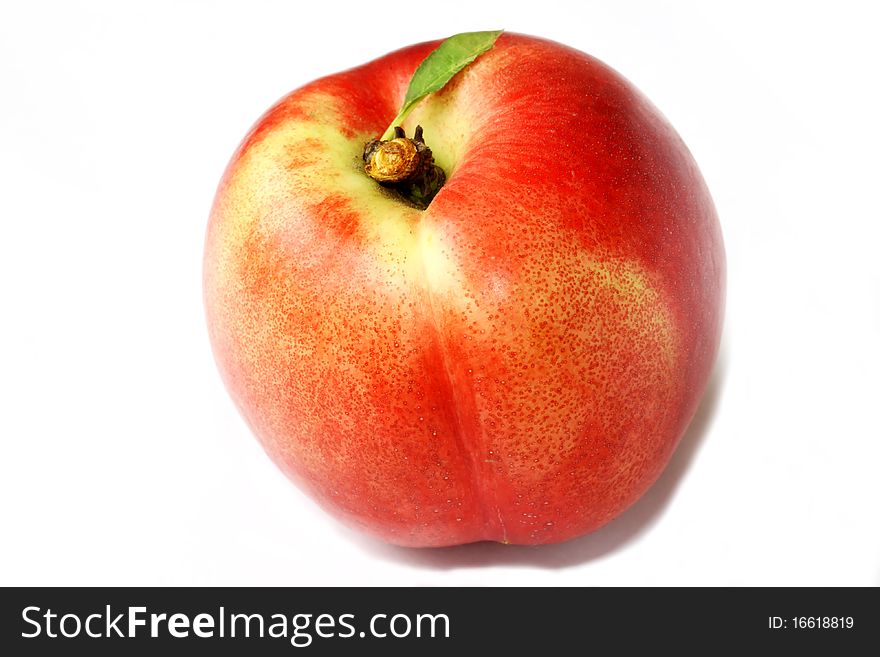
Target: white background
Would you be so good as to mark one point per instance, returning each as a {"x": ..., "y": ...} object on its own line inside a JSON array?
[{"x": 123, "y": 459}]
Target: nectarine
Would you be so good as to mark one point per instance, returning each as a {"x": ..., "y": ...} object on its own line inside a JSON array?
[{"x": 514, "y": 363}]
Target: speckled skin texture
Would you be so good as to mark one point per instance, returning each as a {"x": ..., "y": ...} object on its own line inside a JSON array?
[{"x": 517, "y": 362}]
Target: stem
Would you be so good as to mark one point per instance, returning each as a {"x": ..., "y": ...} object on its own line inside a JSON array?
[
  {"x": 405, "y": 165},
  {"x": 398, "y": 120}
]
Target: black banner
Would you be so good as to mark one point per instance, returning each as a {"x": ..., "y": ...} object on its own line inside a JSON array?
[{"x": 429, "y": 621}]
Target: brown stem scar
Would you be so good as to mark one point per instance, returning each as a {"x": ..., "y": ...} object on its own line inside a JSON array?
[{"x": 405, "y": 165}]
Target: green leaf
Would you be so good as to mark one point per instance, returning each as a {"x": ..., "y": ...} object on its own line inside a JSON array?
[{"x": 440, "y": 66}]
